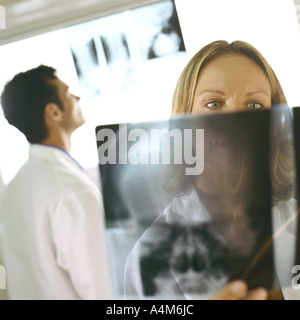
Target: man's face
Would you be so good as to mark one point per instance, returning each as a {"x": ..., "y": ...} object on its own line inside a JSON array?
[{"x": 72, "y": 113}]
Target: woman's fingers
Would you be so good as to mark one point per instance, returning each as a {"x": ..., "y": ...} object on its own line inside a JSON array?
[
  {"x": 238, "y": 290},
  {"x": 257, "y": 294}
]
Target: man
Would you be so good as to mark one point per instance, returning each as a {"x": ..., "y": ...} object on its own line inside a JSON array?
[{"x": 52, "y": 232}]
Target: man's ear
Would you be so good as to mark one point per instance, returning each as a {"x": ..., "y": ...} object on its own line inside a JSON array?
[{"x": 52, "y": 112}]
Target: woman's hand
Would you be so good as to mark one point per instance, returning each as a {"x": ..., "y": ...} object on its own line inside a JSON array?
[{"x": 238, "y": 290}]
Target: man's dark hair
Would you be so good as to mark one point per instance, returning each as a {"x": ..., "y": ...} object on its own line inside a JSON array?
[{"x": 24, "y": 98}]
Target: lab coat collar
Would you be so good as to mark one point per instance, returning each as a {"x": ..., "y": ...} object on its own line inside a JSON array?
[{"x": 51, "y": 151}]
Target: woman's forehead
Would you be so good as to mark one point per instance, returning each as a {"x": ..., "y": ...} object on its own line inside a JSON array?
[{"x": 233, "y": 69}]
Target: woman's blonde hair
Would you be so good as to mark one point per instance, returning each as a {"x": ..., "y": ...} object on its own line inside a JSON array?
[{"x": 282, "y": 159}]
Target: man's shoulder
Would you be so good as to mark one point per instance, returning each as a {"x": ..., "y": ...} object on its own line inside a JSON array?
[{"x": 38, "y": 174}]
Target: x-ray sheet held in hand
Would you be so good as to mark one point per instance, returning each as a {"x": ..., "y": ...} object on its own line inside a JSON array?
[{"x": 188, "y": 202}]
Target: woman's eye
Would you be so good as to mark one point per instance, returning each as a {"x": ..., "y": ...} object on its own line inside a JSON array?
[
  {"x": 254, "y": 105},
  {"x": 214, "y": 105}
]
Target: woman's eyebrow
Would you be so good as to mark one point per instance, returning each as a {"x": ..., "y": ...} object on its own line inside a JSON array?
[
  {"x": 251, "y": 93},
  {"x": 210, "y": 91}
]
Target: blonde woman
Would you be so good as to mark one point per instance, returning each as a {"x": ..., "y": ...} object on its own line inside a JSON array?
[{"x": 226, "y": 77}]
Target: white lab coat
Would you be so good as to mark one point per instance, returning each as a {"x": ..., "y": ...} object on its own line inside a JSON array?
[
  {"x": 3, "y": 291},
  {"x": 284, "y": 221},
  {"x": 2, "y": 187},
  {"x": 53, "y": 231}
]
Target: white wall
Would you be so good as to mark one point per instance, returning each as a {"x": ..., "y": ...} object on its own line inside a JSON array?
[{"x": 270, "y": 25}]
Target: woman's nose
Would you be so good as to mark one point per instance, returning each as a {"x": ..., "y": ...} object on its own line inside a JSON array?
[{"x": 233, "y": 105}]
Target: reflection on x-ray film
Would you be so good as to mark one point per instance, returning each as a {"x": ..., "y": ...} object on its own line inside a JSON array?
[
  {"x": 2, "y": 277},
  {"x": 2, "y": 18}
]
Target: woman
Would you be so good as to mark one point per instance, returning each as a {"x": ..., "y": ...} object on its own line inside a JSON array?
[
  {"x": 226, "y": 77},
  {"x": 238, "y": 79},
  {"x": 229, "y": 77}
]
